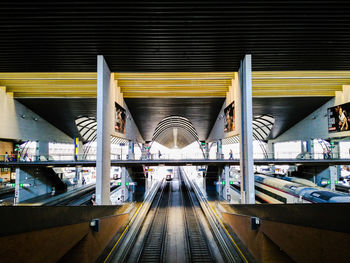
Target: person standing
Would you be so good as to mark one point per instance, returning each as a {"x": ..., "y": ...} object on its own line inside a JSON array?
[
  {"x": 13, "y": 158},
  {"x": 7, "y": 159},
  {"x": 92, "y": 201},
  {"x": 231, "y": 154}
]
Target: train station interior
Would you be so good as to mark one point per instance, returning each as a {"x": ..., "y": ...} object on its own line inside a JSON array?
[{"x": 167, "y": 131}]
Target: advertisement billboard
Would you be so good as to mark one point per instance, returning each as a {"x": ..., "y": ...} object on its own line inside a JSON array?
[
  {"x": 339, "y": 118},
  {"x": 229, "y": 118},
  {"x": 120, "y": 119}
]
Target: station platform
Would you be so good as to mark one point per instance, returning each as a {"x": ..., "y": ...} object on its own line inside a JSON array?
[{"x": 283, "y": 233}]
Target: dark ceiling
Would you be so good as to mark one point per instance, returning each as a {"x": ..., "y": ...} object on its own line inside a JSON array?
[
  {"x": 201, "y": 112},
  {"x": 286, "y": 111},
  {"x": 147, "y": 113},
  {"x": 62, "y": 112},
  {"x": 170, "y": 36},
  {"x": 140, "y": 36}
]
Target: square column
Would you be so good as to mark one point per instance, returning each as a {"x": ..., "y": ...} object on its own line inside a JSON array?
[
  {"x": 226, "y": 173},
  {"x": 105, "y": 98},
  {"x": 131, "y": 150},
  {"x": 246, "y": 132},
  {"x": 206, "y": 151},
  {"x": 42, "y": 150},
  {"x": 219, "y": 185},
  {"x": 270, "y": 150},
  {"x": 219, "y": 149}
]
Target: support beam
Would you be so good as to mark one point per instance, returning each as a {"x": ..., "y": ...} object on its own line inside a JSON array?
[
  {"x": 32, "y": 182},
  {"x": 131, "y": 150},
  {"x": 219, "y": 185},
  {"x": 310, "y": 146},
  {"x": 42, "y": 150},
  {"x": 104, "y": 128},
  {"x": 270, "y": 149},
  {"x": 246, "y": 132},
  {"x": 226, "y": 174},
  {"x": 219, "y": 149},
  {"x": 206, "y": 151}
]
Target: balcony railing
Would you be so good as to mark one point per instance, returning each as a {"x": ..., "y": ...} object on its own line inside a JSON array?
[{"x": 185, "y": 156}]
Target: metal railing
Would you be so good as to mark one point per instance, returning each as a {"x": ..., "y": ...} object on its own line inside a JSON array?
[{"x": 185, "y": 156}]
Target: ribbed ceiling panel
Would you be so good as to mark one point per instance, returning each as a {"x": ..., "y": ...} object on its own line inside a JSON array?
[{"x": 163, "y": 36}]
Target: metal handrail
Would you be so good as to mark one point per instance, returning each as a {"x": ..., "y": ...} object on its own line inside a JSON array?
[
  {"x": 155, "y": 156},
  {"x": 131, "y": 231},
  {"x": 216, "y": 226}
]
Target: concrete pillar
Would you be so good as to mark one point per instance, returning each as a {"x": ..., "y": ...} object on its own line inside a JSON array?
[
  {"x": 335, "y": 150},
  {"x": 42, "y": 150},
  {"x": 226, "y": 179},
  {"x": 78, "y": 149},
  {"x": 148, "y": 182},
  {"x": 131, "y": 150},
  {"x": 219, "y": 183},
  {"x": 125, "y": 185},
  {"x": 206, "y": 151},
  {"x": 270, "y": 150},
  {"x": 219, "y": 149},
  {"x": 204, "y": 186},
  {"x": 145, "y": 151},
  {"x": 104, "y": 128},
  {"x": 246, "y": 132},
  {"x": 310, "y": 148},
  {"x": 33, "y": 182},
  {"x": 78, "y": 154},
  {"x": 333, "y": 176}
]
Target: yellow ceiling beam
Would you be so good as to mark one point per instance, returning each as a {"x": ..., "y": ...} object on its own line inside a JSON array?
[
  {"x": 296, "y": 88},
  {"x": 48, "y": 75},
  {"x": 177, "y": 82},
  {"x": 301, "y": 74},
  {"x": 50, "y": 89},
  {"x": 55, "y": 95},
  {"x": 175, "y": 75},
  {"x": 48, "y": 82},
  {"x": 174, "y": 94},
  {"x": 163, "y": 88},
  {"x": 304, "y": 80},
  {"x": 304, "y": 93},
  {"x": 174, "y": 84}
]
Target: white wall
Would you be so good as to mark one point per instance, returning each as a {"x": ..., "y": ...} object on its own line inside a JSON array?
[
  {"x": 217, "y": 132},
  {"x": 131, "y": 130},
  {"x": 315, "y": 125},
  {"x": 18, "y": 122},
  {"x": 233, "y": 95}
]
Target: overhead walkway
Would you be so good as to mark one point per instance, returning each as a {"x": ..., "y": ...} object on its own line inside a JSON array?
[{"x": 177, "y": 162}]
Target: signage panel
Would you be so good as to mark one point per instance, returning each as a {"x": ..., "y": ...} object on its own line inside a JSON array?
[
  {"x": 229, "y": 118},
  {"x": 339, "y": 118},
  {"x": 120, "y": 119}
]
